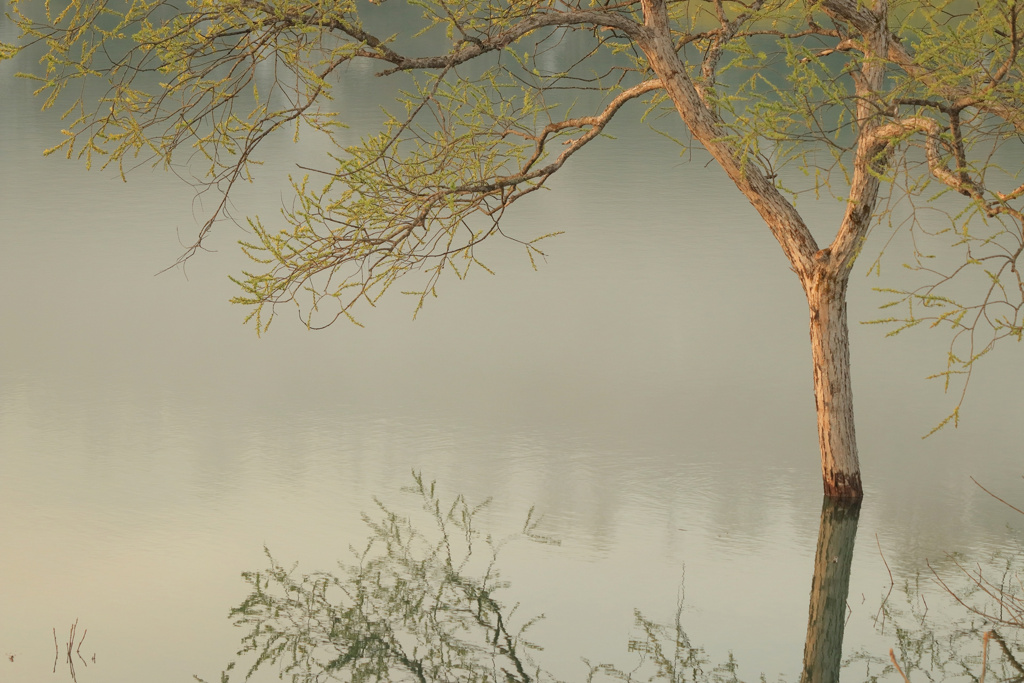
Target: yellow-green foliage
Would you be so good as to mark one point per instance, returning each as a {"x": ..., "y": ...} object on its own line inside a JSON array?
[{"x": 485, "y": 120}]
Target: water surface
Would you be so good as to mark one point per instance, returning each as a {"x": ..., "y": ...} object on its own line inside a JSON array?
[{"x": 648, "y": 390}]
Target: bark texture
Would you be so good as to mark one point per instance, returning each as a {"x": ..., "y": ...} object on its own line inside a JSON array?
[
  {"x": 833, "y": 390},
  {"x": 823, "y": 272},
  {"x": 826, "y": 619}
]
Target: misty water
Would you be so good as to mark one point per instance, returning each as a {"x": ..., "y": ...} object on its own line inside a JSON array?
[{"x": 647, "y": 390}]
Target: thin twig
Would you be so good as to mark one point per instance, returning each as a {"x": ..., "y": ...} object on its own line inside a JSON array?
[
  {"x": 78, "y": 650},
  {"x": 997, "y": 497},
  {"x": 892, "y": 656}
]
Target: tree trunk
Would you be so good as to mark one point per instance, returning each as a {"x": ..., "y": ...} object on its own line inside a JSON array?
[
  {"x": 833, "y": 392},
  {"x": 823, "y": 272}
]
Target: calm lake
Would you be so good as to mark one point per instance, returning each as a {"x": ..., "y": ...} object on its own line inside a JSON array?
[{"x": 647, "y": 390}]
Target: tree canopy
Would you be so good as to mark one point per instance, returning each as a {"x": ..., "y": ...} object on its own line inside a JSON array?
[{"x": 889, "y": 106}]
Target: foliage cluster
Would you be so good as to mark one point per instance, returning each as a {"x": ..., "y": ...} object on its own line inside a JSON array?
[{"x": 916, "y": 101}]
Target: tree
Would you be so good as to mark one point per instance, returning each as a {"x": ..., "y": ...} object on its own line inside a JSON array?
[{"x": 879, "y": 102}]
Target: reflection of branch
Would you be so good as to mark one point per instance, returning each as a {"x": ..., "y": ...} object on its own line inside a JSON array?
[
  {"x": 892, "y": 584},
  {"x": 984, "y": 656},
  {"x": 1007, "y": 603},
  {"x": 70, "y": 650},
  {"x": 1010, "y": 604},
  {"x": 1006, "y": 651}
]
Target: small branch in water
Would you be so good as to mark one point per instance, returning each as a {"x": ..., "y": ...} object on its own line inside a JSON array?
[
  {"x": 997, "y": 497},
  {"x": 892, "y": 656},
  {"x": 1005, "y": 605}
]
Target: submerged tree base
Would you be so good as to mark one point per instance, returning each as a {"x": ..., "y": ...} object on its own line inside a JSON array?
[{"x": 844, "y": 487}]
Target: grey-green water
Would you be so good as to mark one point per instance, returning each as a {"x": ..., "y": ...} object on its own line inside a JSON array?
[{"x": 648, "y": 390}]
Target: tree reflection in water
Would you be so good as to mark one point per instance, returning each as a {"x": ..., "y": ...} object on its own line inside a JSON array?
[
  {"x": 932, "y": 648},
  {"x": 984, "y": 643},
  {"x": 419, "y": 603},
  {"x": 823, "y": 649},
  {"x": 415, "y": 603}
]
